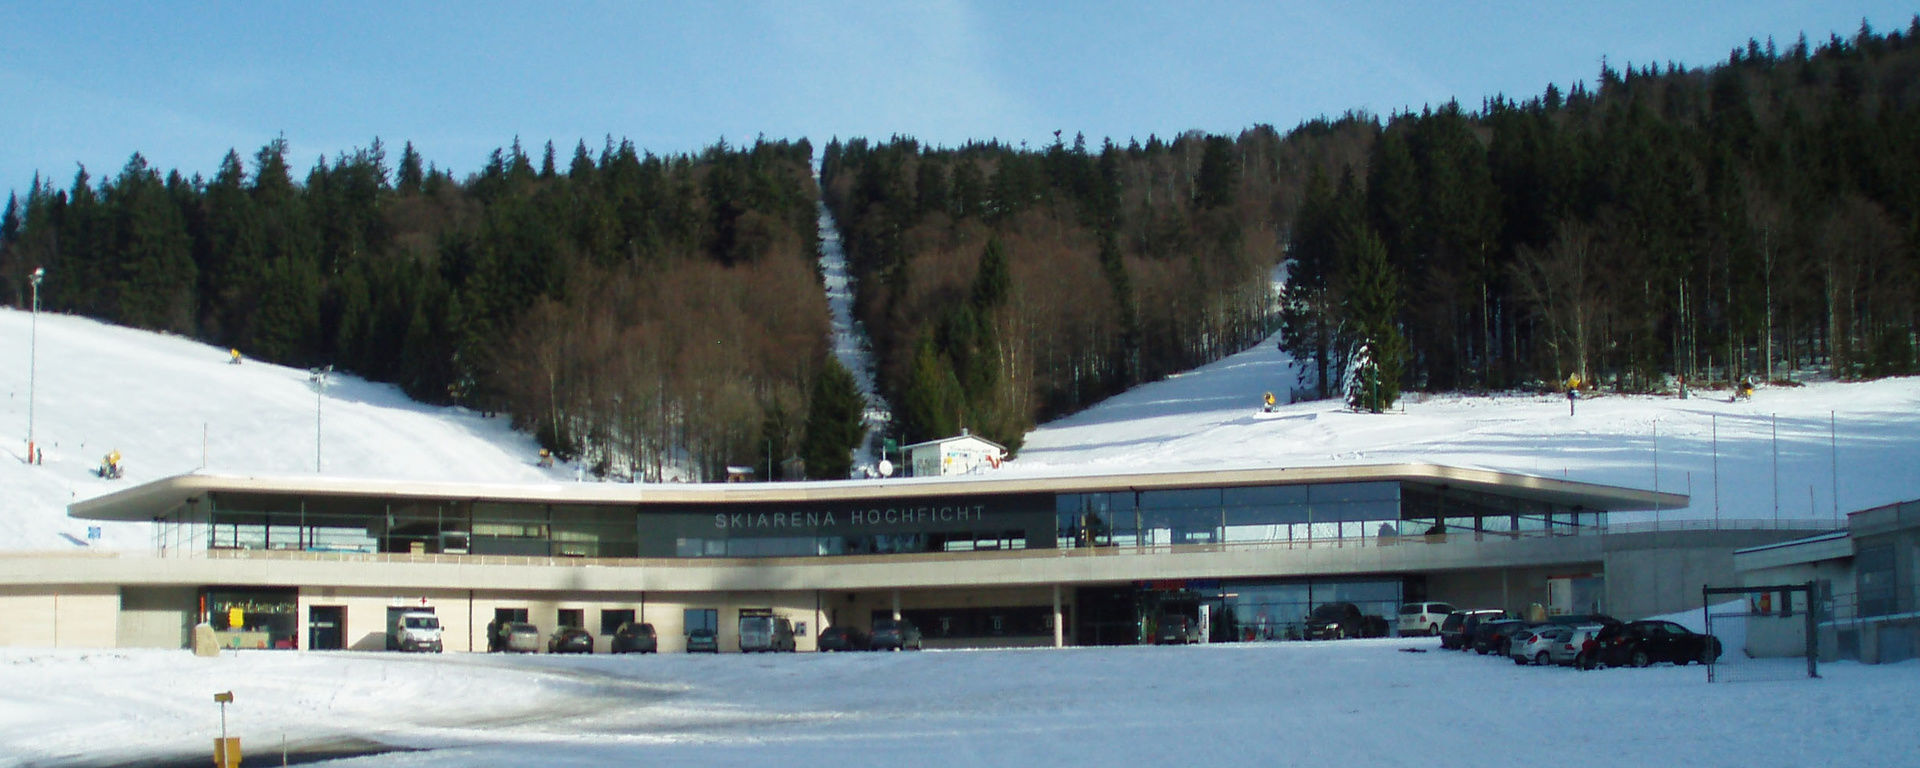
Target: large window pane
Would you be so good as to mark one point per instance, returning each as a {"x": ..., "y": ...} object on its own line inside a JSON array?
[
  {"x": 1351, "y": 492},
  {"x": 1264, "y": 496},
  {"x": 1185, "y": 498}
]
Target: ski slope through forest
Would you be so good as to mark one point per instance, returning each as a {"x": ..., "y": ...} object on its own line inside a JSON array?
[{"x": 850, "y": 344}]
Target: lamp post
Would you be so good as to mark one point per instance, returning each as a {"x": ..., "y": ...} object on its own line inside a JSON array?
[
  {"x": 33, "y": 354},
  {"x": 319, "y": 378}
]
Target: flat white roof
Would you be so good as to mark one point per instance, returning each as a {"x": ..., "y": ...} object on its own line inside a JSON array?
[{"x": 143, "y": 502}]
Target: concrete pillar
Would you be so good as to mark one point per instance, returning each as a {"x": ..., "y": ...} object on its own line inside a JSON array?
[
  {"x": 896, "y": 605},
  {"x": 1059, "y": 632}
]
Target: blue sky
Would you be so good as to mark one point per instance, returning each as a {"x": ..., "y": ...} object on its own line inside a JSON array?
[{"x": 91, "y": 83}]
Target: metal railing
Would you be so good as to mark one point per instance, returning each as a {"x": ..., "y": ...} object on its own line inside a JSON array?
[
  {"x": 1853, "y": 609},
  {"x": 1358, "y": 542}
]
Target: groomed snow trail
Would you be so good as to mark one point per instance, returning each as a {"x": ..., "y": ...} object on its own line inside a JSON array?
[{"x": 850, "y": 343}]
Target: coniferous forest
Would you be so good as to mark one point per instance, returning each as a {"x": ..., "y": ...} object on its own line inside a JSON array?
[{"x": 1758, "y": 218}]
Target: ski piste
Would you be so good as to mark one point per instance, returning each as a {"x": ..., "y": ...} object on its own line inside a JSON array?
[{"x": 850, "y": 343}]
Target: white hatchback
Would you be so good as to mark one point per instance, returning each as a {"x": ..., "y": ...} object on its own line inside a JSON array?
[{"x": 1423, "y": 618}]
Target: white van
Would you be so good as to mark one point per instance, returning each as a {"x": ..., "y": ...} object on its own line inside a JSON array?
[
  {"x": 1423, "y": 618},
  {"x": 765, "y": 633}
]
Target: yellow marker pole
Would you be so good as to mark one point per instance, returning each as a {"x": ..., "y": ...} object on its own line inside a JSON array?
[{"x": 226, "y": 751}]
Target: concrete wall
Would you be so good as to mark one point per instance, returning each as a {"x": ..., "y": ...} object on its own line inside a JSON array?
[
  {"x": 85, "y": 617},
  {"x": 157, "y": 617},
  {"x": 1650, "y": 574},
  {"x": 1778, "y": 637}
]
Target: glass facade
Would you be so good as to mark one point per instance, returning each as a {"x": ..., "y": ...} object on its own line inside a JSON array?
[
  {"x": 1215, "y": 516},
  {"x": 1232, "y": 610},
  {"x": 1271, "y": 513}
]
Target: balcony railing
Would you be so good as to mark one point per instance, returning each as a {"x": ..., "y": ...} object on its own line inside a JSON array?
[{"x": 1361, "y": 542}]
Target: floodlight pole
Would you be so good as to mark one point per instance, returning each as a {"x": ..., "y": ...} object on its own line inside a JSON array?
[
  {"x": 33, "y": 353},
  {"x": 319, "y": 378}
]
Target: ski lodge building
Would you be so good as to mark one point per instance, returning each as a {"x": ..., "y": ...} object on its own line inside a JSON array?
[{"x": 984, "y": 560}]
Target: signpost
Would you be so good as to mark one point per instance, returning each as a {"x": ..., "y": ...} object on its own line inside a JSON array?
[{"x": 226, "y": 751}]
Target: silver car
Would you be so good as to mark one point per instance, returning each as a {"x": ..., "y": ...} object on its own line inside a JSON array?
[
  {"x": 1573, "y": 651},
  {"x": 1533, "y": 644},
  {"x": 520, "y": 637}
]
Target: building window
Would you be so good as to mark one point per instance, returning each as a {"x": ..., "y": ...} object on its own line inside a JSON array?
[
  {"x": 611, "y": 619},
  {"x": 1874, "y": 565},
  {"x": 253, "y": 618}
]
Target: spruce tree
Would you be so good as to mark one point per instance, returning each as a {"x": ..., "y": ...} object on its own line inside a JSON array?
[
  {"x": 836, "y": 421},
  {"x": 1372, "y": 306},
  {"x": 931, "y": 403},
  {"x": 411, "y": 177},
  {"x": 1218, "y": 177}
]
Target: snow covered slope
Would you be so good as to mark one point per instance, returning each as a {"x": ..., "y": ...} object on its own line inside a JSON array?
[
  {"x": 172, "y": 406},
  {"x": 1778, "y": 454}
]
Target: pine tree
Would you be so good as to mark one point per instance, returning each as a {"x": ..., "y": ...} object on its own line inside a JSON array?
[
  {"x": 1218, "y": 176},
  {"x": 836, "y": 421},
  {"x": 1312, "y": 329},
  {"x": 411, "y": 176},
  {"x": 932, "y": 402},
  {"x": 1372, "y": 305},
  {"x": 10, "y": 221}
]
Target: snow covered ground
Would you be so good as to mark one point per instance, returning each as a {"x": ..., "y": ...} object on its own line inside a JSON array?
[
  {"x": 1347, "y": 703},
  {"x": 172, "y": 406},
  {"x": 1815, "y": 451}
]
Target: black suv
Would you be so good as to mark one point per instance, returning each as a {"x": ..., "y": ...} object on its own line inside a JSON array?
[
  {"x": 1456, "y": 632},
  {"x": 1640, "y": 643},
  {"x": 1176, "y": 629},
  {"x": 1331, "y": 621},
  {"x": 1495, "y": 636}
]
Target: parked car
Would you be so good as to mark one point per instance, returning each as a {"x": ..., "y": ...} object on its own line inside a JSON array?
[
  {"x": 1533, "y": 644},
  {"x": 703, "y": 641},
  {"x": 892, "y": 635},
  {"x": 520, "y": 637},
  {"x": 570, "y": 640},
  {"x": 764, "y": 634},
  {"x": 1578, "y": 649},
  {"x": 1640, "y": 643},
  {"x": 1457, "y": 631},
  {"x": 1423, "y": 618},
  {"x": 1492, "y": 636},
  {"x": 635, "y": 637},
  {"x": 1176, "y": 629},
  {"x": 843, "y": 637},
  {"x": 1330, "y": 621}
]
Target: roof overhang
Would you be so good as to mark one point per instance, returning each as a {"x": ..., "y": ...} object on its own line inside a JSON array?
[{"x": 156, "y": 498}]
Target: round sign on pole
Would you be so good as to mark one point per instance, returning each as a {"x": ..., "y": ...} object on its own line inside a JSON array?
[{"x": 886, "y": 468}]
